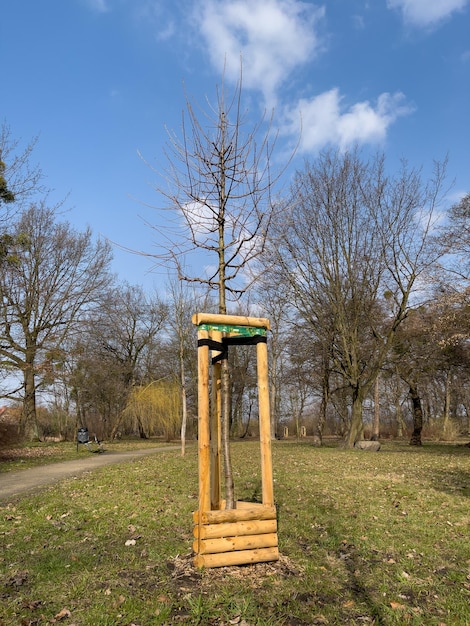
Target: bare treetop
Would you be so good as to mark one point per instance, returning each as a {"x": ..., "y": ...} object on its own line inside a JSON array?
[{"x": 219, "y": 184}]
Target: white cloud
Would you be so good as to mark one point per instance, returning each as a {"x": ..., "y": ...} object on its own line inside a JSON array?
[
  {"x": 325, "y": 122},
  {"x": 426, "y": 13},
  {"x": 272, "y": 37},
  {"x": 201, "y": 220}
]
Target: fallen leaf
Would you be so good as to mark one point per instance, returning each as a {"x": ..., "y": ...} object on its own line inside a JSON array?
[
  {"x": 63, "y": 614},
  {"x": 396, "y": 606},
  {"x": 162, "y": 598}
]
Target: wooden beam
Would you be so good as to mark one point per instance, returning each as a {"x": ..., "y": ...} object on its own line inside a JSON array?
[
  {"x": 230, "y": 544},
  {"x": 241, "y": 557},
  {"x": 235, "y": 529},
  {"x": 230, "y": 320},
  {"x": 239, "y": 514}
]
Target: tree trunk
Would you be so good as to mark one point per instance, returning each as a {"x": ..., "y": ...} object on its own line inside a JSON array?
[
  {"x": 417, "y": 416},
  {"x": 142, "y": 431},
  {"x": 225, "y": 425},
  {"x": 184, "y": 404},
  {"x": 356, "y": 426},
  {"x": 325, "y": 398},
  {"x": 29, "y": 417},
  {"x": 446, "y": 419},
  {"x": 399, "y": 418},
  {"x": 376, "y": 424},
  {"x": 247, "y": 428}
]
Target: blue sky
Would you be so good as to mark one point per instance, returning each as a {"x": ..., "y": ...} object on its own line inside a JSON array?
[{"x": 99, "y": 80}]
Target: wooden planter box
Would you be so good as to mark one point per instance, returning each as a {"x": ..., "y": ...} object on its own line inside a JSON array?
[{"x": 248, "y": 533}]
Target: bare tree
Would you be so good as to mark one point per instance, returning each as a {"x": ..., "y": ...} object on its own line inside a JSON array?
[
  {"x": 57, "y": 276},
  {"x": 19, "y": 182},
  {"x": 19, "y": 178},
  {"x": 182, "y": 302},
  {"x": 353, "y": 250},
  {"x": 119, "y": 338},
  {"x": 219, "y": 183},
  {"x": 6, "y": 196}
]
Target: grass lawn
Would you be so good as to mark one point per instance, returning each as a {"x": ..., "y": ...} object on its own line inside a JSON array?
[{"x": 365, "y": 538}]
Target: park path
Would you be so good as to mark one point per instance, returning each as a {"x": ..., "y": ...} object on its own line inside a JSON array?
[{"x": 13, "y": 484}]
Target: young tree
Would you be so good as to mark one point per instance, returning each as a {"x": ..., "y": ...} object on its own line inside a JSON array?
[
  {"x": 57, "y": 276},
  {"x": 219, "y": 182},
  {"x": 352, "y": 250}
]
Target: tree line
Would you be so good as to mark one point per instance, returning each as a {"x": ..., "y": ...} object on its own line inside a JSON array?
[{"x": 364, "y": 281}]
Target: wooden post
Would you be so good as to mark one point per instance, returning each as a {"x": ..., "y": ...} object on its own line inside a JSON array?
[
  {"x": 215, "y": 440},
  {"x": 265, "y": 426},
  {"x": 203, "y": 424}
]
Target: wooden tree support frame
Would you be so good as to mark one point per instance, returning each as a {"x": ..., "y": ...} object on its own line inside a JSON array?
[{"x": 248, "y": 533}]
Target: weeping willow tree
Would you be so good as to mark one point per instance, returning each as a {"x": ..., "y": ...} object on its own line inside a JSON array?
[{"x": 154, "y": 409}]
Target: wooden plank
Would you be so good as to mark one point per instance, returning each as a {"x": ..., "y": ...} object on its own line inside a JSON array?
[
  {"x": 235, "y": 515},
  {"x": 230, "y": 544},
  {"x": 231, "y": 320},
  {"x": 235, "y": 529},
  {"x": 241, "y": 557}
]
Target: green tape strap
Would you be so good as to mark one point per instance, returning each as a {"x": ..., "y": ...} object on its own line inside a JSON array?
[{"x": 240, "y": 331}]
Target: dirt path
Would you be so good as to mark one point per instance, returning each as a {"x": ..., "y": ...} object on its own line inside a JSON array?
[{"x": 13, "y": 484}]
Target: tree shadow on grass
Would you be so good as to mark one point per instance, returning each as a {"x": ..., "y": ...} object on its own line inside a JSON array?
[
  {"x": 449, "y": 478},
  {"x": 454, "y": 481}
]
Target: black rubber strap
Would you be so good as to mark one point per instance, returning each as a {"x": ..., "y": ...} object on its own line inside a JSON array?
[
  {"x": 213, "y": 345},
  {"x": 222, "y": 346}
]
